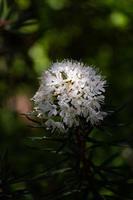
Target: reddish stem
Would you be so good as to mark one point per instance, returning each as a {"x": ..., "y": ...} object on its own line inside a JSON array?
[{"x": 83, "y": 157}]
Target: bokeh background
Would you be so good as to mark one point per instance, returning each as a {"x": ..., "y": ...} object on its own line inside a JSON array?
[{"x": 35, "y": 33}]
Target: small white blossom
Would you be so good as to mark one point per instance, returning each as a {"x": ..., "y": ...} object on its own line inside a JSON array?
[{"x": 68, "y": 92}]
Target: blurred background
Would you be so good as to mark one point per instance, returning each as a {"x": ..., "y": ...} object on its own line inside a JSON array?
[{"x": 35, "y": 33}]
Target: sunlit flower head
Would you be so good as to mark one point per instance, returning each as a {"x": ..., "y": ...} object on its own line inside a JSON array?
[{"x": 70, "y": 91}]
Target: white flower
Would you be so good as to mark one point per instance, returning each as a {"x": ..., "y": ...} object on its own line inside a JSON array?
[{"x": 68, "y": 92}]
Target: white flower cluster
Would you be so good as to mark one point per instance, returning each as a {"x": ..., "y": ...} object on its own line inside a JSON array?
[{"x": 68, "y": 92}]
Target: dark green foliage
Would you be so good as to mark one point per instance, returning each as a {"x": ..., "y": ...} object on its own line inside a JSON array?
[{"x": 95, "y": 163}]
